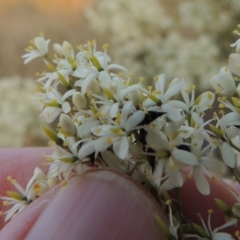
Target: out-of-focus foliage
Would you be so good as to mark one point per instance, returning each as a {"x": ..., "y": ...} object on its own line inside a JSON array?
[
  {"x": 19, "y": 121},
  {"x": 179, "y": 38}
]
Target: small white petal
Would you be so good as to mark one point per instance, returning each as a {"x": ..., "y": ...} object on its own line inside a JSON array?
[
  {"x": 66, "y": 108},
  {"x": 222, "y": 236},
  {"x": 171, "y": 112},
  {"x": 114, "y": 109},
  {"x": 126, "y": 110},
  {"x": 87, "y": 82},
  {"x": 174, "y": 174},
  {"x": 201, "y": 181},
  {"x": 68, "y": 94},
  {"x": 121, "y": 147},
  {"x": 86, "y": 149},
  {"x": 116, "y": 67},
  {"x": 154, "y": 138},
  {"x": 228, "y": 155},
  {"x": 174, "y": 88},
  {"x": 206, "y": 100},
  {"x": 185, "y": 157},
  {"x": 213, "y": 165},
  {"x": 67, "y": 124},
  {"x": 84, "y": 130},
  {"x": 224, "y": 83},
  {"x": 50, "y": 114},
  {"x": 79, "y": 100},
  {"x": 67, "y": 50},
  {"x": 105, "y": 79},
  {"x": 103, "y": 143},
  {"x": 134, "y": 120},
  {"x": 160, "y": 83},
  {"x": 232, "y": 118}
]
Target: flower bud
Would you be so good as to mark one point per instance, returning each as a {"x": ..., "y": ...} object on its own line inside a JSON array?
[
  {"x": 67, "y": 124},
  {"x": 79, "y": 100}
]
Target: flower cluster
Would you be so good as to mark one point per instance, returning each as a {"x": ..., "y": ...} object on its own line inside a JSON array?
[
  {"x": 102, "y": 112},
  {"x": 37, "y": 185},
  {"x": 106, "y": 118}
]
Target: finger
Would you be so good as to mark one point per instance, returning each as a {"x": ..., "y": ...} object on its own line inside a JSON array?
[
  {"x": 20, "y": 164},
  {"x": 99, "y": 205},
  {"x": 193, "y": 202}
]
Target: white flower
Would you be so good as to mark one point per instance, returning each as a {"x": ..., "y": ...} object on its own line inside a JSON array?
[
  {"x": 203, "y": 102},
  {"x": 40, "y": 49},
  {"x": 96, "y": 69},
  {"x": 158, "y": 141},
  {"x": 55, "y": 103},
  {"x": 224, "y": 82},
  {"x": 79, "y": 100},
  {"x": 64, "y": 69},
  {"x": 66, "y": 50},
  {"x": 159, "y": 100},
  {"x": 65, "y": 164},
  {"x": 36, "y": 186},
  {"x": 199, "y": 160},
  {"x": 117, "y": 133}
]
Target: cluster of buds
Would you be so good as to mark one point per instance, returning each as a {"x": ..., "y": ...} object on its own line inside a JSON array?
[{"x": 107, "y": 119}]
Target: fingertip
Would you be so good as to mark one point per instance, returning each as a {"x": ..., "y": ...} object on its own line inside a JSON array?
[
  {"x": 99, "y": 205},
  {"x": 193, "y": 202}
]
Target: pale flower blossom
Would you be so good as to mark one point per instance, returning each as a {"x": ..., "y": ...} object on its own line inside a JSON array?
[
  {"x": 39, "y": 49},
  {"x": 36, "y": 186}
]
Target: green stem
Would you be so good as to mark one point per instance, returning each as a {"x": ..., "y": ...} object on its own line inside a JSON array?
[
  {"x": 234, "y": 146},
  {"x": 134, "y": 168}
]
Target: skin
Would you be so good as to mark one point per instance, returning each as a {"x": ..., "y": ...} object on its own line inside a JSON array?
[
  {"x": 100, "y": 204},
  {"x": 97, "y": 205}
]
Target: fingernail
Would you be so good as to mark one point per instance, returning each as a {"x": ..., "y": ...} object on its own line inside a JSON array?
[{"x": 99, "y": 205}]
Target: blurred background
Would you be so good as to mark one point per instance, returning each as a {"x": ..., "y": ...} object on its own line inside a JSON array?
[{"x": 185, "y": 39}]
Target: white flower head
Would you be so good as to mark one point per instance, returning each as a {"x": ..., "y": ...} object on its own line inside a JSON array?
[
  {"x": 66, "y": 50},
  {"x": 36, "y": 186},
  {"x": 39, "y": 49}
]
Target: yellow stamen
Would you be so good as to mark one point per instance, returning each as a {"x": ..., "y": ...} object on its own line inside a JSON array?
[
  {"x": 37, "y": 188},
  {"x": 210, "y": 211},
  {"x": 120, "y": 132},
  {"x": 5, "y": 203},
  {"x": 109, "y": 141},
  {"x": 64, "y": 183}
]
